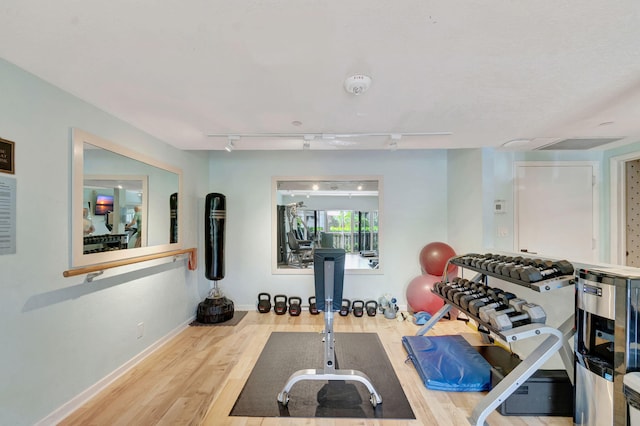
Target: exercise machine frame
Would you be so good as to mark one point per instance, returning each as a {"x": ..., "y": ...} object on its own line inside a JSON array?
[{"x": 329, "y": 371}]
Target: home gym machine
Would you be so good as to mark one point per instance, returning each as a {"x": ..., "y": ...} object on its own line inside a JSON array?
[{"x": 329, "y": 278}]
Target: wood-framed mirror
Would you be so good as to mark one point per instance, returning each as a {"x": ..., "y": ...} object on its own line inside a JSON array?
[
  {"x": 124, "y": 204},
  {"x": 330, "y": 212}
]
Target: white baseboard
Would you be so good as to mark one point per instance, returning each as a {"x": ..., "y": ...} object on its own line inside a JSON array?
[{"x": 69, "y": 407}]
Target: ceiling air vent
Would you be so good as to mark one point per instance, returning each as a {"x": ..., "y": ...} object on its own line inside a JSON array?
[{"x": 578, "y": 144}]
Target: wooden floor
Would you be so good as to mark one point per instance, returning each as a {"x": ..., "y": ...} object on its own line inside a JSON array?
[{"x": 196, "y": 377}]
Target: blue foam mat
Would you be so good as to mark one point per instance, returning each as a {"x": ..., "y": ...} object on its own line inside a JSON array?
[{"x": 448, "y": 363}]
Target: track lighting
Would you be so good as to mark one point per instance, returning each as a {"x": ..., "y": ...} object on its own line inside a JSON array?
[
  {"x": 307, "y": 141},
  {"x": 230, "y": 140},
  {"x": 395, "y": 138}
]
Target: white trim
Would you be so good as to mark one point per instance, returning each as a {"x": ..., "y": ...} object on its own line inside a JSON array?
[
  {"x": 77, "y": 257},
  {"x": 79, "y": 400},
  {"x": 595, "y": 198},
  {"x": 618, "y": 219}
]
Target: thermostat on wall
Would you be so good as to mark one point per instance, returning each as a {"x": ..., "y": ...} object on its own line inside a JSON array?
[{"x": 499, "y": 206}]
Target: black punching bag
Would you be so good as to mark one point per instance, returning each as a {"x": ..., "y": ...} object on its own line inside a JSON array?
[
  {"x": 173, "y": 215},
  {"x": 214, "y": 217},
  {"x": 215, "y": 308}
]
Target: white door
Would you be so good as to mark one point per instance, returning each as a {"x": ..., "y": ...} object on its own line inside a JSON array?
[{"x": 556, "y": 209}]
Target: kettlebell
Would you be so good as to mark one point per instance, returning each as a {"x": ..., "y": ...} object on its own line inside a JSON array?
[
  {"x": 358, "y": 308},
  {"x": 313, "y": 307},
  {"x": 345, "y": 308},
  {"x": 264, "y": 303},
  {"x": 280, "y": 301},
  {"x": 371, "y": 307}
]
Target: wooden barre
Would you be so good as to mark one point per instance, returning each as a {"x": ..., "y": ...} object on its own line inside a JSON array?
[{"x": 193, "y": 262}]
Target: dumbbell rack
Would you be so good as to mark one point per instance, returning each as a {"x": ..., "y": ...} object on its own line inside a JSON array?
[{"x": 557, "y": 339}]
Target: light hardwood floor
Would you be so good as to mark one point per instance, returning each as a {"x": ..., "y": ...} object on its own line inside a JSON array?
[{"x": 196, "y": 378}]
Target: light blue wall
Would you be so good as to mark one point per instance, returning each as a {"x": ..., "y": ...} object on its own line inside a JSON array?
[
  {"x": 60, "y": 335},
  {"x": 465, "y": 191},
  {"x": 413, "y": 214}
]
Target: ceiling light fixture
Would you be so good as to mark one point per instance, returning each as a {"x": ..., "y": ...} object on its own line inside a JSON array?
[
  {"x": 230, "y": 144},
  {"x": 395, "y": 138},
  {"x": 306, "y": 144}
]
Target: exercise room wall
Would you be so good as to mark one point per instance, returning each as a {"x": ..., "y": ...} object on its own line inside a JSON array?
[
  {"x": 60, "y": 335},
  {"x": 414, "y": 213}
]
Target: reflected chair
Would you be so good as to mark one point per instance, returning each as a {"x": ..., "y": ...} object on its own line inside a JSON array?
[{"x": 300, "y": 255}]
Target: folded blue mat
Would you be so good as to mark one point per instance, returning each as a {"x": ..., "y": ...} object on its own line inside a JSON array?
[{"x": 448, "y": 363}]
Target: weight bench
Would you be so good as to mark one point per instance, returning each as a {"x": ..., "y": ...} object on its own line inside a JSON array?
[{"x": 329, "y": 278}]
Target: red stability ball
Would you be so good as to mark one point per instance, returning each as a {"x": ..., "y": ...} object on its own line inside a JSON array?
[
  {"x": 434, "y": 256},
  {"x": 419, "y": 295}
]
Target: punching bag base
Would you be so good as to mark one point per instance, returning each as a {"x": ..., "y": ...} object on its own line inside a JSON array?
[{"x": 215, "y": 310}]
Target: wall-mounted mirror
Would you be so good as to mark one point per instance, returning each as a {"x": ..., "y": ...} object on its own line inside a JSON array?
[
  {"x": 326, "y": 212},
  {"x": 124, "y": 204}
]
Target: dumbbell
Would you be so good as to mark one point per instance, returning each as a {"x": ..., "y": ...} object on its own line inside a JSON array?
[
  {"x": 438, "y": 286},
  {"x": 529, "y": 313},
  {"x": 514, "y": 271},
  {"x": 457, "y": 294},
  {"x": 501, "y": 300},
  {"x": 443, "y": 289},
  {"x": 513, "y": 305},
  {"x": 492, "y": 296},
  {"x": 483, "y": 265},
  {"x": 467, "y": 298},
  {"x": 468, "y": 285},
  {"x": 507, "y": 261},
  {"x": 497, "y": 261},
  {"x": 481, "y": 259},
  {"x": 506, "y": 269},
  {"x": 466, "y": 259},
  {"x": 532, "y": 274}
]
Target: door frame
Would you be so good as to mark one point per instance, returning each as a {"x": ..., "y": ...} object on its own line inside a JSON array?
[
  {"x": 596, "y": 179},
  {"x": 618, "y": 198}
]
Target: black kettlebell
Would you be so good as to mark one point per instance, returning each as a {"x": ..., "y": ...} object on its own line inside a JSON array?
[
  {"x": 313, "y": 307},
  {"x": 264, "y": 303},
  {"x": 344, "y": 309},
  {"x": 371, "y": 307},
  {"x": 358, "y": 308},
  {"x": 280, "y": 302},
  {"x": 295, "y": 306}
]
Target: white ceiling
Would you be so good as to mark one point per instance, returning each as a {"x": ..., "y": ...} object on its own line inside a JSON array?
[{"x": 487, "y": 71}]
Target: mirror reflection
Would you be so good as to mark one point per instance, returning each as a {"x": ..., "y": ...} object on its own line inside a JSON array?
[
  {"x": 124, "y": 205},
  {"x": 327, "y": 213},
  {"x": 113, "y": 214}
]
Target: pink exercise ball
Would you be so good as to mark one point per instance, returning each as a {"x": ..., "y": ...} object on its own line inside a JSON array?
[
  {"x": 419, "y": 295},
  {"x": 434, "y": 256}
]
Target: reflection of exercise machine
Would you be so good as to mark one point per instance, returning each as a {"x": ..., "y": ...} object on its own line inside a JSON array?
[{"x": 329, "y": 278}]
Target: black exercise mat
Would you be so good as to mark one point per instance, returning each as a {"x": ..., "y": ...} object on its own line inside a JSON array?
[
  {"x": 286, "y": 353},
  {"x": 237, "y": 317}
]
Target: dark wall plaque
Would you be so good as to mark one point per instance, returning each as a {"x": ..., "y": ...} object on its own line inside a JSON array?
[{"x": 7, "y": 156}]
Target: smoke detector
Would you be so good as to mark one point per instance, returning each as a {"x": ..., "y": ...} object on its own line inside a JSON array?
[{"x": 357, "y": 84}]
